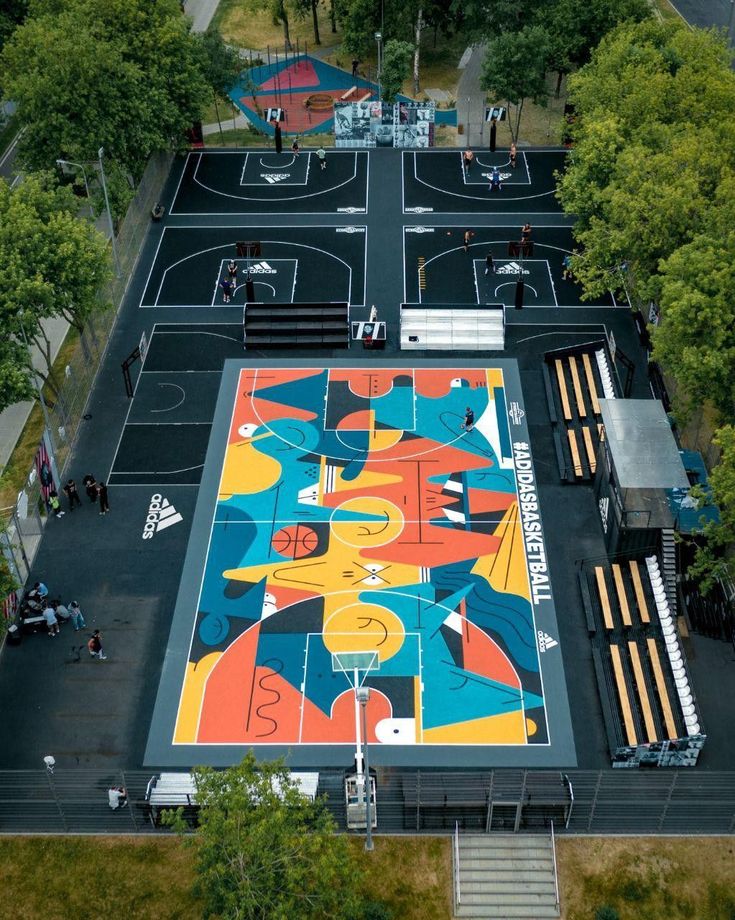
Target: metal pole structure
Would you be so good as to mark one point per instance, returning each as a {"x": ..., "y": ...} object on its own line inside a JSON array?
[
  {"x": 365, "y": 696},
  {"x": 78, "y": 166},
  {"x": 100, "y": 154},
  {"x": 379, "y": 40}
]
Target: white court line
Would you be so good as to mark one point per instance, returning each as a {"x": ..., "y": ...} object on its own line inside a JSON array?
[
  {"x": 266, "y": 184},
  {"x": 444, "y": 191},
  {"x": 271, "y": 200},
  {"x": 184, "y": 469},
  {"x": 131, "y": 400},
  {"x": 478, "y": 161},
  {"x": 269, "y": 166},
  {"x": 157, "y": 305},
  {"x": 171, "y": 408}
]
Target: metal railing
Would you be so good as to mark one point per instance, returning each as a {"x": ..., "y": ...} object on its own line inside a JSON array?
[
  {"x": 556, "y": 873},
  {"x": 455, "y": 867}
]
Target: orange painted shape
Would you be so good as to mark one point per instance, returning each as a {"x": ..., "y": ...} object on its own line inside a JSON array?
[
  {"x": 482, "y": 501},
  {"x": 484, "y": 656},
  {"x": 340, "y": 728},
  {"x": 368, "y": 383},
  {"x": 436, "y": 382},
  {"x": 362, "y": 420},
  {"x": 227, "y": 691}
]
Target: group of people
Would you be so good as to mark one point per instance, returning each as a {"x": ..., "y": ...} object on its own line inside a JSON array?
[
  {"x": 496, "y": 184},
  {"x": 96, "y": 493},
  {"x": 229, "y": 282},
  {"x": 39, "y": 603}
]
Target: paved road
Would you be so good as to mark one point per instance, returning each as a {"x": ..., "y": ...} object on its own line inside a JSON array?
[
  {"x": 201, "y": 12},
  {"x": 704, "y": 13},
  {"x": 7, "y": 161}
]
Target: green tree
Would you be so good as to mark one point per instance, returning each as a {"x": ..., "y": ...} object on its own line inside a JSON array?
[
  {"x": 16, "y": 382},
  {"x": 396, "y": 68},
  {"x": 265, "y": 852},
  {"x": 52, "y": 264},
  {"x": 7, "y": 581},
  {"x": 123, "y": 74},
  {"x": 515, "y": 70},
  {"x": 12, "y": 13},
  {"x": 221, "y": 66}
]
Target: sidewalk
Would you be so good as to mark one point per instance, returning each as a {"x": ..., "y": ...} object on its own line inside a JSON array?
[{"x": 471, "y": 99}]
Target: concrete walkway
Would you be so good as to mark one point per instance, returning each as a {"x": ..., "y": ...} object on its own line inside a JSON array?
[{"x": 471, "y": 100}]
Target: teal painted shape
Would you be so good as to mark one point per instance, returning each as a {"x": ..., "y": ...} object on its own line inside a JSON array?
[
  {"x": 406, "y": 662},
  {"x": 395, "y": 409},
  {"x": 307, "y": 394},
  {"x": 501, "y": 414},
  {"x": 491, "y": 480},
  {"x": 284, "y": 653},
  {"x": 322, "y": 685},
  {"x": 453, "y": 695}
]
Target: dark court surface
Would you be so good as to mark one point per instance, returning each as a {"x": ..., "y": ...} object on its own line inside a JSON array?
[{"x": 125, "y": 568}]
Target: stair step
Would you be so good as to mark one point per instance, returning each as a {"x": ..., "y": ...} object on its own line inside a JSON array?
[
  {"x": 527, "y": 902},
  {"x": 521, "y": 876},
  {"x": 518, "y": 841},
  {"x": 503, "y": 912},
  {"x": 492, "y": 890}
]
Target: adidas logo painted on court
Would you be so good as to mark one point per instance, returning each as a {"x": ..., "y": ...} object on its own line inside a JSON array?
[
  {"x": 262, "y": 268},
  {"x": 511, "y": 268},
  {"x": 545, "y": 641},
  {"x": 275, "y": 177},
  {"x": 161, "y": 514}
]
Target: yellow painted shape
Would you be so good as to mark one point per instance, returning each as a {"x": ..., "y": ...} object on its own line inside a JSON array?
[
  {"x": 506, "y": 569},
  {"x": 247, "y": 471},
  {"x": 531, "y": 728},
  {"x": 383, "y": 439},
  {"x": 364, "y": 628},
  {"x": 367, "y": 479},
  {"x": 494, "y": 379},
  {"x": 507, "y": 728},
  {"x": 368, "y": 533},
  {"x": 192, "y": 695}
]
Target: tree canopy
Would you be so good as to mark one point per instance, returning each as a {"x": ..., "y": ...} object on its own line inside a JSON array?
[
  {"x": 265, "y": 852},
  {"x": 122, "y": 74}
]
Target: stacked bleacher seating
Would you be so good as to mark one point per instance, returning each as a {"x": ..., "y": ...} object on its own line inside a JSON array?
[
  {"x": 452, "y": 327},
  {"x": 575, "y": 380},
  {"x": 296, "y": 325},
  {"x": 646, "y": 697}
]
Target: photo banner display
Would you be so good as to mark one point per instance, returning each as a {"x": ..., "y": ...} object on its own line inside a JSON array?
[{"x": 380, "y": 124}]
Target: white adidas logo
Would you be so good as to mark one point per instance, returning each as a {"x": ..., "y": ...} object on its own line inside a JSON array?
[
  {"x": 161, "y": 514},
  {"x": 511, "y": 268},
  {"x": 262, "y": 268},
  {"x": 545, "y": 641},
  {"x": 275, "y": 177}
]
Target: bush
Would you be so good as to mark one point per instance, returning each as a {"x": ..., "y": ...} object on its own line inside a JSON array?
[
  {"x": 376, "y": 910},
  {"x": 606, "y": 913}
]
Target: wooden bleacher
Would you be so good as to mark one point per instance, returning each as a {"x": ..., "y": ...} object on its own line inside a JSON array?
[
  {"x": 622, "y": 596},
  {"x": 640, "y": 596},
  {"x": 604, "y": 597},
  {"x": 628, "y": 722},
  {"x": 663, "y": 693},
  {"x": 574, "y": 409},
  {"x": 640, "y": 684}
]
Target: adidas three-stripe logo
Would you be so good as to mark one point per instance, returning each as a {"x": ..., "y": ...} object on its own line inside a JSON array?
[{"x": 161, "y": 514}]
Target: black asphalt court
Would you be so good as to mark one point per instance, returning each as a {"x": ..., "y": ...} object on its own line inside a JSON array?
[
  {"x": 295, "y": 265},
  {"x": 437, "y": 182},
  {"x": 265, "y": 182}
]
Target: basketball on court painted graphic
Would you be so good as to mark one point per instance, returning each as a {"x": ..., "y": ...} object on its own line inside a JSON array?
[{"x": 295, "y": 541}]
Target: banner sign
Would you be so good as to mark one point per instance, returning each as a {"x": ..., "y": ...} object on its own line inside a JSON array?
[{"x": 379, "y": 124}]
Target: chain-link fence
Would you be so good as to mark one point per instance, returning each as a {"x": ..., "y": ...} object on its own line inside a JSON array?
[
  {"x": 412, "y": 801},
  {"x": 83, "y": 354}
]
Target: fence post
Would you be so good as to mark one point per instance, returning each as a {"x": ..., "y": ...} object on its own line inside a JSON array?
[
  {"x": 665, "y": 809},
  {"x": 129, "y": 800}
]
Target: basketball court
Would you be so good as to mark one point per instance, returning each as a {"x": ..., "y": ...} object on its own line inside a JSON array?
[
  {"x": 292, "y": 267},
  {"x": 438, "y": 182},
  {"x": 246, "y": 182},
  {"x": 350, "y": 532}
]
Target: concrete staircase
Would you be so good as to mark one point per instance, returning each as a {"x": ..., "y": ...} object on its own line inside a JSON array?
[{"x": 505, "y": 877}]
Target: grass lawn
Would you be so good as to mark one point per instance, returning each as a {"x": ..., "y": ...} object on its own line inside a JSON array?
[
  {"x": 55, "y": 878},
  {"x": 246, "y": 28},
  {"x": 647, "y": 878}
]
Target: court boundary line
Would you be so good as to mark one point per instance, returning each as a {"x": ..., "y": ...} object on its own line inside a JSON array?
[
  {"x": 349, "y": 209},
  {"x": 357, "y": 228},
  {"x": 503, "y": 166},
  {"x": 267, "y": 185}
]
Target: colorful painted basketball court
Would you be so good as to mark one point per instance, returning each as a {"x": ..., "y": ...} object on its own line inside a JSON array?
[{"x": 349, "y": 531}]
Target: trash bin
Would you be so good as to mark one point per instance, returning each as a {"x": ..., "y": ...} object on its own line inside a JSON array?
[{"x": 15, "y": 635}]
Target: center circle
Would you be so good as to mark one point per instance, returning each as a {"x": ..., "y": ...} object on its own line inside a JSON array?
[{"x": 366, "y": 521}]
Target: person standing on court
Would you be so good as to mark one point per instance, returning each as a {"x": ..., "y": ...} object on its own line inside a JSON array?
[
  {"x": 95, "y": 646},
  {"x": 49, "y": 615},
  {"x": 513, "y": 154},
  {"x": 226, "y": 286},
  {"x": 526, "y": 232},
  {"x": 104, "y": 501},
  {"x": 232, "y": 270},
  {"x": 489, "y": 264},
  {"x": 495, "y": 180},
  {"x": 77, "y": 617},
  {"x": 70, "y": 490},
  {"x": 295, "y": 149},
  {"x": 468, "y": 234},
  {"x": 469, "y": 419},
  {"x": 321, "y": 155},
  {"x": 467, "y": 159},
  {"x": 355, "y": 65},
  {"x": 90, "y": 487}
]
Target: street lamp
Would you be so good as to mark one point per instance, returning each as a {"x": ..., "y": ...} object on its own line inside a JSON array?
[
  {"x": 379, "y": 40},
  {"x": 100, "y": 154},
  {"x": 362, "y": 694},
  {"x": 78, "y": 166}
]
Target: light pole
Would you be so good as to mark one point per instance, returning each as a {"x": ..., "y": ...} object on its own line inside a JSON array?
[
  {"x": 379, "y": 40},
  {"x": 363, "y": 696},
  {"x": 78, "y": 166},
  {"x": 731, "y": 24},
  {"x": 100, "y": 154}
]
